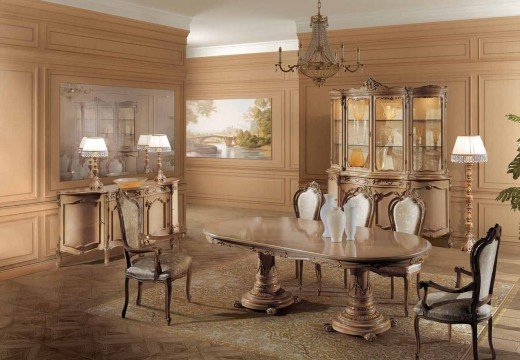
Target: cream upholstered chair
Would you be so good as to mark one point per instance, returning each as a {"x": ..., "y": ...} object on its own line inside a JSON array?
[
  {"x": 307, "y": 204},
  {"x": 364, "y": 201},
  {"x": 469, "y": 304},
  {"x": 406, "y": 213},
  {"x": 158, "y": 266}
]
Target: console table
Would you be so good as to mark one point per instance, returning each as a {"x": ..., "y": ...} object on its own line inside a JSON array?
[
  {"x": 291, "y": 237},
  {"x": 89, "y": 220}
]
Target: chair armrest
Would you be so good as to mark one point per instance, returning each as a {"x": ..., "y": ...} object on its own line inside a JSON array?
[
  {"x": 427, "y": 284},
  {"x": 156, "y": 254},
  {"x": 163, "y": 235},
  {"x": 145, "y": 250},
  {"x": 460, "y": 271}
]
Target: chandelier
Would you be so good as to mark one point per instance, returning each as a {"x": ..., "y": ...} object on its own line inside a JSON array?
[
  {"x": 70, "y": 91},
  {"x": 319, "y": 62}
]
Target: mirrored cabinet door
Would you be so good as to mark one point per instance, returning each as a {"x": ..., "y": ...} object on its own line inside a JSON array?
[
  {"x": 427, "y": 134},
  {"x": 389, "y": 133},
  {"x": 336, "y": 151},
  {"x": 358, "y": 133}
]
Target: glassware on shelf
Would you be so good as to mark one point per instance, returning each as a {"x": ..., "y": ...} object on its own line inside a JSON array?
[{"x": 356, "y": 158}]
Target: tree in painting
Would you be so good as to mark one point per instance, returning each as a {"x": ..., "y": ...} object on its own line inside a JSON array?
[{"x": 260, "y": 130}]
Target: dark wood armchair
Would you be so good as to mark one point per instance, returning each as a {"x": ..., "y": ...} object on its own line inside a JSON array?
[
  {"x": 146, "y": 262},
  {"x": 406, "y": 212},
  {"x": 307, "y": 204},
  {"x": 469, "y": 304}
]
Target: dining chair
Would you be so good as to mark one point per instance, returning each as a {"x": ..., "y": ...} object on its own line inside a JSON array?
[
  {"x": 406, "y": 212},
  {"x": 146, "y": 262},
  {"x": 469, "y": 304},
  {"x": 363, "y": 199},
  {"x": 307, "y": 204}
]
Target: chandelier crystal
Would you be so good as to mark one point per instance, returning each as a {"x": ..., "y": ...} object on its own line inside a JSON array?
[{"x": 319, "y": 61}]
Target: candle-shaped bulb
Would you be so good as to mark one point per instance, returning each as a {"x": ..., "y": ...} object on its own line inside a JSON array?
[
  {"x": 342, "y": 52},
  {"x": 280, "y": 55},
  {"x": 358, "y": 55}
]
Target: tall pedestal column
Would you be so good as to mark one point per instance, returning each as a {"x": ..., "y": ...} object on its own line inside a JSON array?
[{"x": 470, "y": 239}]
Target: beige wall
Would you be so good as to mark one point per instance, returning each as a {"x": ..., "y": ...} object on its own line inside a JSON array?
[
  {"x": 479, "y": 61},
  {"x": 41, "y": 45},
  {"x": 268, "y": 184}
]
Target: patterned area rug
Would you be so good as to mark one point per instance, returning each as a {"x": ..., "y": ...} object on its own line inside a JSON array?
[{"x": 298, "y": 333}]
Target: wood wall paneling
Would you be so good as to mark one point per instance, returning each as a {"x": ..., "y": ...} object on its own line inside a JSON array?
[
  {"x": 237, "y": 182},
  {"x": 18, "y": 239},
  {"x": 18, "y": 133},
  {"x": 41, "y": 45}
]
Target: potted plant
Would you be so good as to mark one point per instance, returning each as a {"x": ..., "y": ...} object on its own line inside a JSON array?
[{"x": 512, "y": 194}]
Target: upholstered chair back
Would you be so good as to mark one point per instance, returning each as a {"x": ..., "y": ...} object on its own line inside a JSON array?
[
  {"x": 363, "y": 200},
  {"x": 484, "y": 256},
  {"x": 307, "y": 202},
  {"x": 130, "y": 220},
  {"x": 406, "y": 213}
]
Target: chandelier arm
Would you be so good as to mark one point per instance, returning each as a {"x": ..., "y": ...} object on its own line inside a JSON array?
[
  {"x": 290, "y": 68},
  {"x": 352, "y": 69}
]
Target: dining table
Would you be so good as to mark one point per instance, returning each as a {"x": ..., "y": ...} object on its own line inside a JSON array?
[{"x": 273, "y": 237}]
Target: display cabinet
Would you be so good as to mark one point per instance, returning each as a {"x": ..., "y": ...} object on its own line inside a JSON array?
[{"x": 390, "y": 139}]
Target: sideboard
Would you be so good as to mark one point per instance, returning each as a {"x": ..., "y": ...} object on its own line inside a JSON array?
[{"x": 89, "y": 220}]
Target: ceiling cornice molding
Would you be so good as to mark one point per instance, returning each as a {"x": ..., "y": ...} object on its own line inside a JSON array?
[
  {"x": 131, "y": 11},
  {"x": 238, "y": 49},
  {"x": 416, "y": 16}
]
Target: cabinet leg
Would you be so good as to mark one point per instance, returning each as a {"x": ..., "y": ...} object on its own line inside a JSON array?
[
  {"x": 107, "y": 256},
  {"x": 58, "y": 258}
]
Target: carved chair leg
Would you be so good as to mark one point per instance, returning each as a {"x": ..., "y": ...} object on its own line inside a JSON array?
[
  {"x": 296, "y": 270},
  {"x": 188, "y": 284},
  {"x": 345, "y": 278},
  {"x": 168, "y": 298},
  {"x": 391, "y": 287},
  {"x": 474, "y": 340},
  {"x": 123, "y": 314},
  {"x": 449, "y": 332},
  {"x": 417, "y": 286},
  {"x": 317, "y": 269},
  {"x": 300, "y": 273},
  {"x": 139, "y": 292},
  {"x": 417, "y": 337},
  {"x": 406, "y": 289},
  {"x": 490, "y": 338}
]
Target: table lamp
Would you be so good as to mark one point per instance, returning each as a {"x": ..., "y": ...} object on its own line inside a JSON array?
[
  {"x": 159, "y": 143},
  {"x": 469, "y": 150},
  {"x": 94, "y": 148},
  {"x": 142, "y": 144}
]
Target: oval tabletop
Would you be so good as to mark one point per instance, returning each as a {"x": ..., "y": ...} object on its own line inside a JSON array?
[{"x": 300, "y": 237}]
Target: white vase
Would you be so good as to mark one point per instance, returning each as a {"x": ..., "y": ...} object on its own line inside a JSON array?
[
  {"x": 351, "y": 214},
  {"x": 329, "y": 204},
  {"x": 336, "y": 222}
]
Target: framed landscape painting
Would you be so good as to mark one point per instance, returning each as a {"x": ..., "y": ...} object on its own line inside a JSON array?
[{"x": 229, "y": 129}]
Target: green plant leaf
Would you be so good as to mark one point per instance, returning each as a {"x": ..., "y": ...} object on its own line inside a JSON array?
[
  {"x": 515, "y": 118},
  {"x": 511, "y": 195}
]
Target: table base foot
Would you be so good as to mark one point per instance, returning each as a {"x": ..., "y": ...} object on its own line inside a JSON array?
[{"x": 360, "y": 317}]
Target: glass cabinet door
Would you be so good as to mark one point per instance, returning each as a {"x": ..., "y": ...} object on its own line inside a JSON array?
[
  {"x": 389, "y": 131},
  {"x": 336, "y": 132},
  {"x": 427, "y": 141},
  {"x": 358, "y": 132}
]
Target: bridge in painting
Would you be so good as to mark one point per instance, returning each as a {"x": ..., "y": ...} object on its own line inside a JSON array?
[{"x": 228, "y": 139}]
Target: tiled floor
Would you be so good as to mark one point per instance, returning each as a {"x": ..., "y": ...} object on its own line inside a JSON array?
[{"x": 42, "y": 316}]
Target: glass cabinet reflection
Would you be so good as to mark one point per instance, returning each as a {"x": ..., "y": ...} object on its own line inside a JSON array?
[
  {"x": 358, "y": 130},
  {"x": 427, "y": 141}
]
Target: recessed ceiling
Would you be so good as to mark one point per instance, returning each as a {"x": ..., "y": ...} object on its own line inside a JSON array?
[{"x": 217, "y": 24}]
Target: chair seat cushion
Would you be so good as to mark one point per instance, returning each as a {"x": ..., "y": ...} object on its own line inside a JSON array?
[
  {"x": 396, "y": 270},
  {"x": 459, "y": 310},
  {"x": 173, "y": 264}
]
